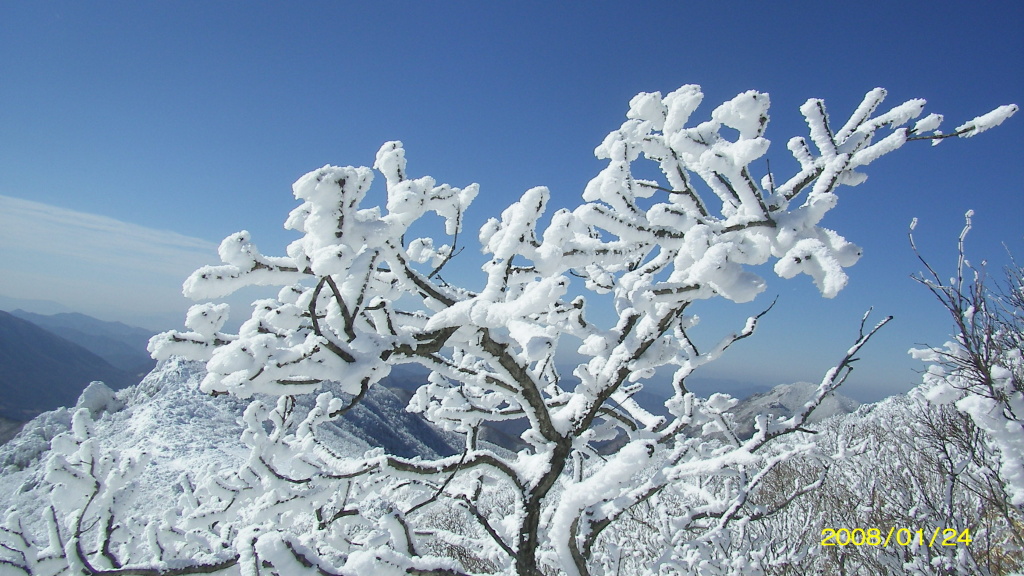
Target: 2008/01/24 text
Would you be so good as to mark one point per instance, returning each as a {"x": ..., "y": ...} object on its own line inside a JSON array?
[{"x": 897, "y": 536}]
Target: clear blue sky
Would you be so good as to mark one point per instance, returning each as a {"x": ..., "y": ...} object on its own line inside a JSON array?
[{"x": 129, "y": 125}]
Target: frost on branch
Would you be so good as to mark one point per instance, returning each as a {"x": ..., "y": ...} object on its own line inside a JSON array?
[
  {"x": 981, "y": 372},
  {"x": 363, "y": 290}
]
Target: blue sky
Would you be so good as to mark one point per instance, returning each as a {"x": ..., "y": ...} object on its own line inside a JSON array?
[{"x": 125, "y": 126}]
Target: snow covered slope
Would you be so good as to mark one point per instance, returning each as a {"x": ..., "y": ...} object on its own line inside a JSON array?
[
  {"x": 183, "y": 430},
  {"x": 163, "y": 416}
]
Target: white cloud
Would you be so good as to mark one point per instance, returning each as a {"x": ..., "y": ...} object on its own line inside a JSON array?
[{"x": 94, "y": 264}]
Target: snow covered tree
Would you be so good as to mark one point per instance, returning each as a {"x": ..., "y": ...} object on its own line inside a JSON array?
[
  {"x": 362, "y": 291},
  {"x": 981, "y": 372}
]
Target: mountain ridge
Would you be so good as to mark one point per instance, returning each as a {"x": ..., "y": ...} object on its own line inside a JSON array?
[
  {"x": 121, "y": 345},
  {"x": 786, "y": 400},
  {"x": 41, "y": 371}
]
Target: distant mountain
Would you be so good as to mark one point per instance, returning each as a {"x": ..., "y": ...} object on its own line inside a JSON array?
[
  {"x": 786, "y": 400},
  {"x": 123, "y": 346},
  {"x": 705, "y": 387},
  {"x": 8, "y": 303},
  {"x": 41, "y": 371}
]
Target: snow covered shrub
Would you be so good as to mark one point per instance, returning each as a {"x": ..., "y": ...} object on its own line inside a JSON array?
[
  {"x": 900, "y": 463},
  {"x": 362, "y": 292},
  {"x": 981, "y": 372}
]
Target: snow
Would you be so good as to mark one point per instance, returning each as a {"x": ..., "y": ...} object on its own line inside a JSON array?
[
  {"x": 929, "y": 123},
  {"x": 817, "y": 120},
  {"x": 987, "y": 121},
  {"x": 747, "y": 113}
]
